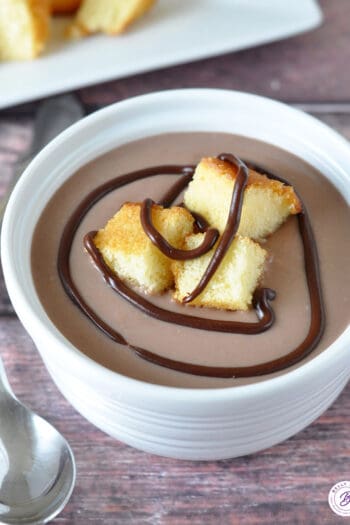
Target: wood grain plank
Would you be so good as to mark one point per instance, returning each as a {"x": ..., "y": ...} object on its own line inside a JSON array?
[{"x": 15, "y": 139}]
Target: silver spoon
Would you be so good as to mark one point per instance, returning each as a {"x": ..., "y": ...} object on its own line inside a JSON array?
[{"x": 37, "y": 467}]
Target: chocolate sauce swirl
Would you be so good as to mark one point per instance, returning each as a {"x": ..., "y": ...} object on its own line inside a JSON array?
[
  {"x": 260, "y": 300},
  {"x": 211, "y": 236},
  {"x": 261, "y": 304}
]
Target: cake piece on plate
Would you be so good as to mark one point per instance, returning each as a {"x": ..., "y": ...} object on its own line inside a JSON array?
[
  {"x": 24, "y": 28},
  {"x": 107, "y": 16},
  {"x": 128, "y": 251},
  {"x": 234, "y": 281},
  {"x": 266, "y": 205}
]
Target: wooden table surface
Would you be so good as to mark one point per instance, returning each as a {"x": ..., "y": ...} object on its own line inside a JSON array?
[{"x": 287, "y": 484}]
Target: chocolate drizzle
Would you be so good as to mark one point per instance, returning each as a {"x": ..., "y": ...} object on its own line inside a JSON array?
[
  {"x": 263, "y": 309},
  {"x": 261, "y": 297},
  {"x": 211, "y": 236},
  {"x": 231, "y": 228}
]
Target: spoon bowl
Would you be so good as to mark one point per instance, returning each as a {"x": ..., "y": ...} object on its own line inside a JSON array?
[{"x": 37, "y": 467}]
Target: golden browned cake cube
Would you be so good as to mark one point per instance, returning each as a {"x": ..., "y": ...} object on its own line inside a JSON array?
[
  {"x": 107, "y": 16},
  {"x": 64, "y": 7},
  {"x": 24, "y": 28},
  {"x": 129, "y": 252},
  {"x": 233, "y": 283},
  {"x": 266, "y": 205}
]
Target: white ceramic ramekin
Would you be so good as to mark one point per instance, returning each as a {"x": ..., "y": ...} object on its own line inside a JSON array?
[{"x": 181, "y": 423}]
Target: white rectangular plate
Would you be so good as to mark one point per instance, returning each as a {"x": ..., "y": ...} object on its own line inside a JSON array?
[{"x": 173, "y": 32}]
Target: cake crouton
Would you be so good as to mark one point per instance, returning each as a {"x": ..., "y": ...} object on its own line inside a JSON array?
[
  {"x": 233, "y": 283},
  {"x": 128, "y": 251},
  {"x": 266, "y": 205},
  {"x": 64, "y": 7},
  {"x": 24, "y": 28},
  {"x": 108, "y": 16}
]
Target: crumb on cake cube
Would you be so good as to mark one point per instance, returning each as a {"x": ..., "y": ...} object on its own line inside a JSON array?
[
  {"x": 233, "y": 284},
  {"x": 24, "y": 28},
  {"x": 266, "y": 205},
  {"x": 108, "y": 16},
  {"x": 128, "y": 251}
]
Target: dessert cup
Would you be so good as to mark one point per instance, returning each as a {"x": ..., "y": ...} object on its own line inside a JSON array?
[{"x": 185, "y": 423}]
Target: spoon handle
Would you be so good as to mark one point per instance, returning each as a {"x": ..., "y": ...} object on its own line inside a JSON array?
[
  {"x": 54, "y": 115},
  {"x": 4, "y": 384}
]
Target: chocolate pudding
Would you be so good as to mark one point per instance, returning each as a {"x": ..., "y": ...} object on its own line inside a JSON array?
[{"x": 285, "y": 272}]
